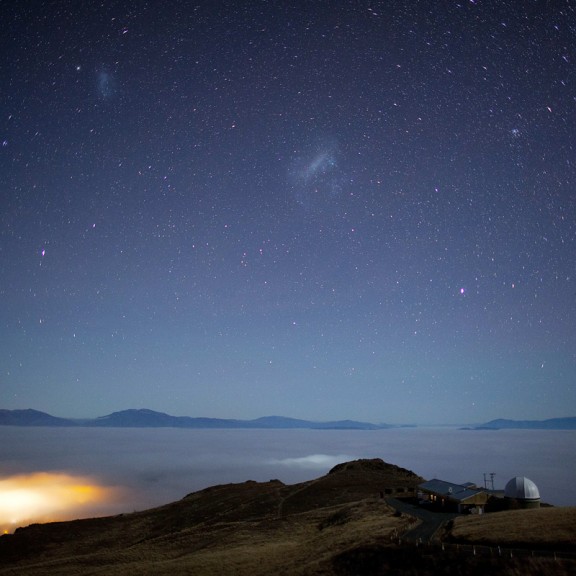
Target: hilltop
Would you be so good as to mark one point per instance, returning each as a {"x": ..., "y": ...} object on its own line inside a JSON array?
[{"x": 339, "y": 524}]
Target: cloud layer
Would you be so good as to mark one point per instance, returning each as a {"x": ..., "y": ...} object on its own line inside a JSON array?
[{"x": 91, "y": 472}]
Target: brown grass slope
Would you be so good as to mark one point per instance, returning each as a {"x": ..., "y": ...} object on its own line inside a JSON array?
[
  {"x": 541, "y": 528},
  {"x": 249, "y": 528}
]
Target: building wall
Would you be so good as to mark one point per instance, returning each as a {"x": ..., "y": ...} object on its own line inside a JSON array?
[{"x": 446, "y": 504}]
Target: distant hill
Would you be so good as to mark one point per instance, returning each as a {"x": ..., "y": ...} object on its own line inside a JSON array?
[
  {"x": 31, "y": 417},
  {"x": 144, "y": 418},
  {"x": 283, "y": 422},
  {"x": 550, "y": 424},
  {"x": 150, "y": 419}
]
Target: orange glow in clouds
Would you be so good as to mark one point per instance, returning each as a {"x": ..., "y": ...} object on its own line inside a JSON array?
[{"x": 49, "y": 497}]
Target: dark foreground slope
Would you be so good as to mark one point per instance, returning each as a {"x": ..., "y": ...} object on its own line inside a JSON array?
[{"x": 336, "y": 525}]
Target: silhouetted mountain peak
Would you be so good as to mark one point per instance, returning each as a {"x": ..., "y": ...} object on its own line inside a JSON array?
[{"x": 568, "y": 423}]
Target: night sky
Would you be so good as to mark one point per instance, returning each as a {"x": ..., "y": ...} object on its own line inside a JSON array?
[{"x": 317, "y": 209}]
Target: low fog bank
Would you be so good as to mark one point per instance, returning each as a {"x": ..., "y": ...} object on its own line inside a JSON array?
[{"x": 150, "y": 467}]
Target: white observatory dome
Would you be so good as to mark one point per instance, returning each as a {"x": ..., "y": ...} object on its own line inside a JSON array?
[{"x": 521, "y": 488}]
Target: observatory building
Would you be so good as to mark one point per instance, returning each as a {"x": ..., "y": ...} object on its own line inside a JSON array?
[
  {"x": 521, "y": 492},
  {"x": 450, "y": 497}
]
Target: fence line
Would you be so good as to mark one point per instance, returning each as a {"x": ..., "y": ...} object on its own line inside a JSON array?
[{"x": 483, "y": 550}]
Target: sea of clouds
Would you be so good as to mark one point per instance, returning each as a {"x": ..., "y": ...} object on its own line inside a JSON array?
[{"x": 142, "y": 468}]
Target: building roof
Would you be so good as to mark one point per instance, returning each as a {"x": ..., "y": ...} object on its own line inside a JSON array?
[
  {"x": 521, "y": 488},
  {"x": 455, "y": 492}
]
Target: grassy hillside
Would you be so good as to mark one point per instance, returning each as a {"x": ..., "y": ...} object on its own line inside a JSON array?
[
  {"x": 249, "y": 528},
  {"x": 337, "y": 525},
  {"x": 548, "y": 528}
]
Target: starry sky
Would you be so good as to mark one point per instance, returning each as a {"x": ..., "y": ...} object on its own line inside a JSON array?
[{"x": 319, "y": 209}]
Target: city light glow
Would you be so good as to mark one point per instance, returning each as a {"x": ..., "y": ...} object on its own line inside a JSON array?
[{"x": 49, "y": 497}]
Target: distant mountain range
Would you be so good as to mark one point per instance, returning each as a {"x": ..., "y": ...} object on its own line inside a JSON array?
[
  {"x": 550, "y": 424},
  {"x": 144, "y": 418}
]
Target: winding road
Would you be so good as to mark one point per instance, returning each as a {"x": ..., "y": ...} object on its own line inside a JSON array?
[{"x": 430, "y": 522}]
